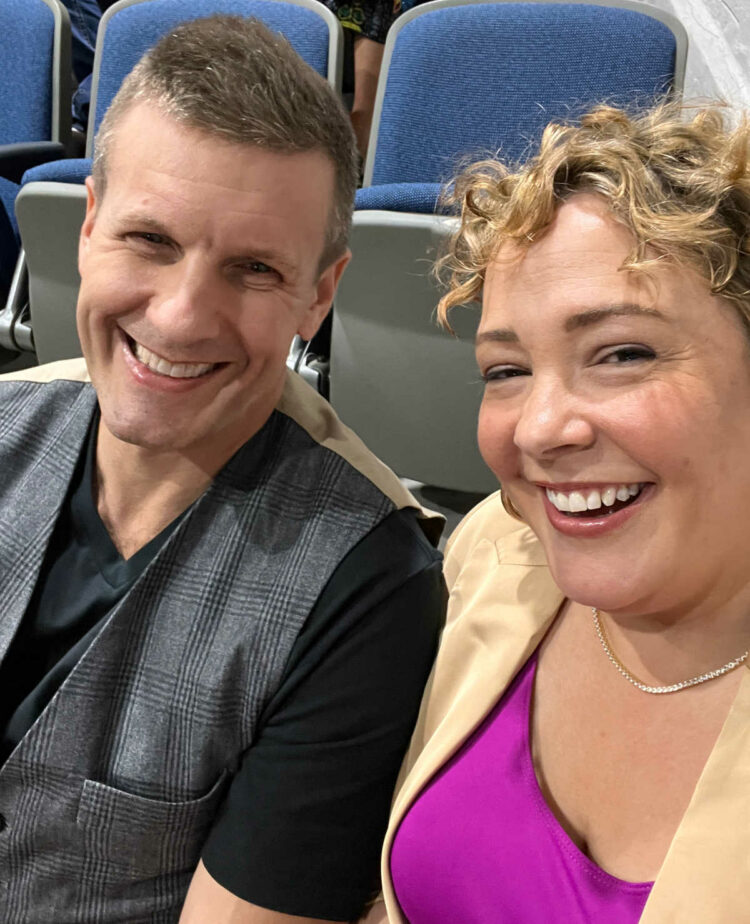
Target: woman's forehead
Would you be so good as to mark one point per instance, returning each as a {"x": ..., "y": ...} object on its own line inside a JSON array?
[
  {"x": 583, "y": 247},
  {"x": 581, "y": 225}
]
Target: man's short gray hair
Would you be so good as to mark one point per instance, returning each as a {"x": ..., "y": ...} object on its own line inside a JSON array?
[{"x": 232, "y": 77}]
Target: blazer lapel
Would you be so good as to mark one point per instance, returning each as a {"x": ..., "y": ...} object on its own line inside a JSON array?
[
  {"x": 496, "y": 618},
  {"x": 705, "y": 874}
]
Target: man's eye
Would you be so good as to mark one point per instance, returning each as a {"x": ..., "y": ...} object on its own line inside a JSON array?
[
  {"x": 256, "y": 273},
  {"x": 501, "y": 373},
  {"x": 628, "y": 354},
  {"x": 149, "y": 237}
]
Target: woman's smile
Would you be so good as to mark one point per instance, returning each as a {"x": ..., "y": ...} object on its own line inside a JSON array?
[
  {"x": 594, "y": 501},
  {"x": 588, "y": 512}
]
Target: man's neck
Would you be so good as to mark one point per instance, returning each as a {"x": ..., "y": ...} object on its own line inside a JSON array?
[{"x": 138, "y": 492}]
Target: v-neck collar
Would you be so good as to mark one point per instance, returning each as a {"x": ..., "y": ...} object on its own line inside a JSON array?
[{"x": 116, "y": 570}]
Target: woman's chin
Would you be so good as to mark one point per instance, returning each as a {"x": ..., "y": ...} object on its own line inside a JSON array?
[{"x": 606, "y": 591}]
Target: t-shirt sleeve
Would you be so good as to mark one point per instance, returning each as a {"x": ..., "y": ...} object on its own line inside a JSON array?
[{"x": 303, "y": 822}]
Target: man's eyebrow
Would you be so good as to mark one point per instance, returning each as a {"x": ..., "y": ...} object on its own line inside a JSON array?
[
  {"x": 576, "y": 321},
  {"x": 142, "y": 221},
  {"x": 262, "y": 254},
  {"x": 259, "y": 254},
  {"x": 597, "y": 315}
]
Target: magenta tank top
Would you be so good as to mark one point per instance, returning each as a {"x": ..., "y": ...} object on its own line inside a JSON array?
[{"x": 481, "y": 846}]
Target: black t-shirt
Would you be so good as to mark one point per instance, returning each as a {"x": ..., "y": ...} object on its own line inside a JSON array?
[{"x": 301, "y": 826}]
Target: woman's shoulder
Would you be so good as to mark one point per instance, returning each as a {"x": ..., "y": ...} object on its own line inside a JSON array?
[{"x": 488, "y": 522}]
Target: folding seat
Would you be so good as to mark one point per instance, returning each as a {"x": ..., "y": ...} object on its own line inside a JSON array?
[
  {"x": 51, "y": 204},
  {"x": 462, "y": 79},
  {"x": 34, "y": 111}
]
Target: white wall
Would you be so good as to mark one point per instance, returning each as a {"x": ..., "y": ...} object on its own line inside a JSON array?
[{"x": 718, "y": 62}]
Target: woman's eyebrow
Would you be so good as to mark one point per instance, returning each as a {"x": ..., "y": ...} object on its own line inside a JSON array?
[
  {"x": 498, "y": 335},
  {"x": 576, "y": 321},
  {"x": 597, "y": 315}
]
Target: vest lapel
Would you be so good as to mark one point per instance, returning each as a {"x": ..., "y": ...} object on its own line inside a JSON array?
[{"x": 31, "y": 503}]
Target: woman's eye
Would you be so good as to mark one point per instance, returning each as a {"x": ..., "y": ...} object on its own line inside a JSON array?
[
  {"x": 501, "y": 373},
  {"x": 628, "y": 354}
]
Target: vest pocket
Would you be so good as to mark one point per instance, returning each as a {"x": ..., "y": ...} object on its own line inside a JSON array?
[{"x": 145, "y": 837}]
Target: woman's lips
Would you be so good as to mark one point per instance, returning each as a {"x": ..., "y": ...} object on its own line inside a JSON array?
[{"x": 597, "y": 517}]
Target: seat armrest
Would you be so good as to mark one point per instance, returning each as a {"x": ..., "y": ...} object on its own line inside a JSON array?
[{"x": 16, "y": 159}]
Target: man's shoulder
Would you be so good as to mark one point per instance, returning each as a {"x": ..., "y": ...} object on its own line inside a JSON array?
[
  {"x": 65, "y": 370},
  {"x": 316, "y": 417},
  {"x": 300, "y": 403},
  {"x": 48, "y": 390}
]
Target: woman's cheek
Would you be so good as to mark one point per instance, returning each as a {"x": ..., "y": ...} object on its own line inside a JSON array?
[{"x": 495, "y": 438}]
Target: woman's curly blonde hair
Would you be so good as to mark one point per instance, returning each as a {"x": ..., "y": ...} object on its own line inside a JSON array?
[{"x": 681, "y": 186}]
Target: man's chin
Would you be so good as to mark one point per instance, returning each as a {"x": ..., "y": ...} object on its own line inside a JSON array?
[{"x": 148, "y": 436}]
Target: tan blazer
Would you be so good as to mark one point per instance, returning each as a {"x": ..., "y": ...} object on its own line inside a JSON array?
[{"x": 503, "y": 599}]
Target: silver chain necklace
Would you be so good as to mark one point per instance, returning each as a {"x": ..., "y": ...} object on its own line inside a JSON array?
[{"x": 672, "y": 687}]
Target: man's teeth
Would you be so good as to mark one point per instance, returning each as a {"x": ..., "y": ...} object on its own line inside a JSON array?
[
  {"x": 578, "y": 501},
  {"x": 163, "y": 367}
]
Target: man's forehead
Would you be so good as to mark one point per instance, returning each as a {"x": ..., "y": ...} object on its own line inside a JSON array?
[
  {"x": 147, "y": 130},
  {"x": 148, "y": 141}
]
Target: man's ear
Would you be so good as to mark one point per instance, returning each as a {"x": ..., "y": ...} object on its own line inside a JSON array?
[
  {"x": 325, "y": 289},
  {"x": 88, "y": 222}
]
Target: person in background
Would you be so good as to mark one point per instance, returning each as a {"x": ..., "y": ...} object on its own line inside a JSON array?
[
  {"x": 84, "y": 23},
  {"x": 366, "y": 24},
  {"x": 582, "y": 752},
  {"x": 219, "y": 609}
]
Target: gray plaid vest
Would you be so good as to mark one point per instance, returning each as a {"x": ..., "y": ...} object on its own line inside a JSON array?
[{"x": 109, "y": 797}]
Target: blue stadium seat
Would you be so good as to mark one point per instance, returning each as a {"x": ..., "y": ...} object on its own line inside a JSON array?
[
  {"x": 34, "y": 112},
  {"x": 50, "y": 215},
  {"x": 34, "y": 77},
  {"x": 465, "y": 78},
  {"x": 462, "y": 79}
]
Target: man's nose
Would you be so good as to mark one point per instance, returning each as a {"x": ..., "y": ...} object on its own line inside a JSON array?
[
  {"x": 552, "y": 420},
  {"x": 189, "y": 299}
]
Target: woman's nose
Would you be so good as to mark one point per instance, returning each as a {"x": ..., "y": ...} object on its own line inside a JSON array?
[{"x": 552, "y": 420}]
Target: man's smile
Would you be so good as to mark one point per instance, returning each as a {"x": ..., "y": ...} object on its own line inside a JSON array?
[{"x": 162, "y": 366}]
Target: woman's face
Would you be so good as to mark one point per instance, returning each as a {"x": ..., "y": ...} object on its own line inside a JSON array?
[{"x": 616, "y": 414}]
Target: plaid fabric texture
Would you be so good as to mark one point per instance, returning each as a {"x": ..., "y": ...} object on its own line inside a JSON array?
[{"x": 110, "y": 795}]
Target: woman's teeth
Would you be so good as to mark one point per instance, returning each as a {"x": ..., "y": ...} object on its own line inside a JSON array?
[
  {"x": 595, "y": 499},
  {"x": 158, "y": 364}
]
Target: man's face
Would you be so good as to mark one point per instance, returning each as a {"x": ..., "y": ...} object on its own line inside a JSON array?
[{"x": 198, "y": 266}]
